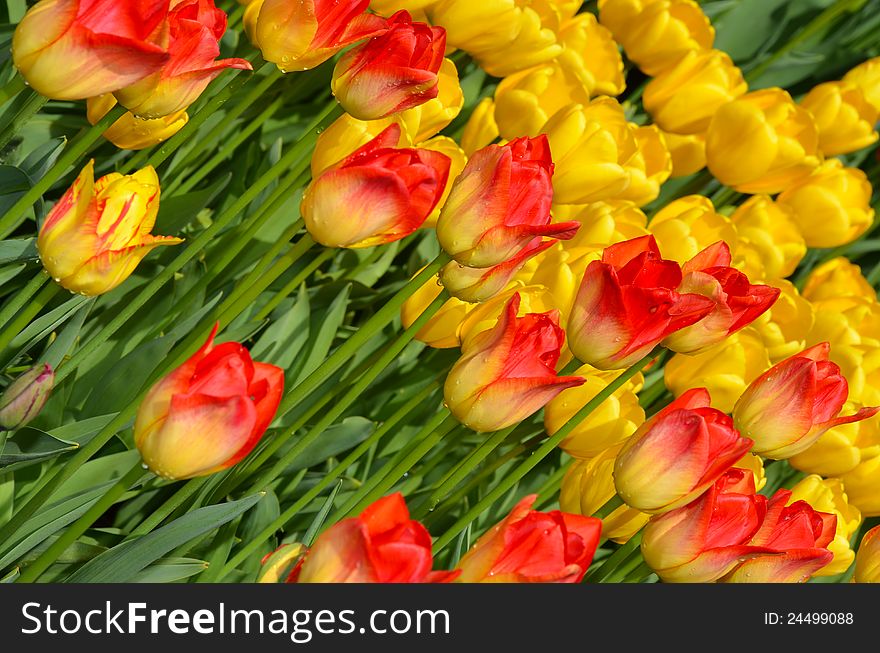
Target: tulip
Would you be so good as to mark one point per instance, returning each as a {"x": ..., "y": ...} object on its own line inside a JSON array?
[
  {"x": 388, "y": 7},
  {"x": 844, "y": 118},
  {"x": 75, "y": 49},
  {"x": 457, "y": 161},
  {"x": 832, "y": 206},
  {"x": 300, "y": 35},
  {"x": 592, "y": 49},
  {"x": 381, "y": 545},
  {"x": 627, "y": 304},
  {"x": 769, "y": 241},
  {"x": 277, "y": 566},
  {"x": 507, "y": 372},
  {"x": 131, "y": 133},
  {"x": 195, "y": 28},
  {"x": 683, "y": 98},
  {"x": 762, "y": 142},
  {"x": 786, "y": 409},
  {"x": 688, "y": 153},
  {"x": 613, "y": 421},
  {"x": 391, "y": 72},
  {"x": 98, "y": 232},
  {"x": 347, "y": 134},
  {"x": 837, "y": 278},
  {"x": 588, "y": 485},
  {"x": 649, "y": 168},
  {"x": 442, "y": 330},
  {"x": 841, "y": 448},
  {"x": 738, "y": 302},
  {"x": 867, "y": 77},
  {"x": 868, "y": 558},
  {"x": 604, "y": 224},
  {"x": 432, "y": 116},
  {"x": 656, "y": 34},
  {"x": 24, "y": 398},
  {"x": 785, "y": 327},
  {"x": 481, "y": 128},
  {"x": 378, "y": 194},
  {"x": 688, "y": 225},
  {"x": 209, "y": 413},
  {"x": 529, "y": 546},
  {"x": 862, "y": 485},
  {"x": 500, "y": 203},
  {"x": 677, "y": 454}
]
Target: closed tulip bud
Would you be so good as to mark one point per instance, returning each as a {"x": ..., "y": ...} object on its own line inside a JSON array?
[
  {"x": 627, "y": 303},
  {"x": 683, "y": 98},
  {"x": 867, "y": 77},
  {"x": 838, "y": 277},
  {"x": 192, "y": 39},
  {"x": 784, "y": 328},
  {"x": 738, "y": 302},
  {"x": 832, "y": 206},
  {"x": 534, "y": 298},
  {"x": 430, "y": 117},
  {"x": 656, "y": 33},
  {"x": 209, "y": 413},
  {"x": 76, "y": 49},
  {"x": 500, "y": 203},
  {"x": 381, "y": 545},
  {"x": 99, "y": 231},
  {"x": 677, "y": 454},
  {"x": 588, "y": 485},
  {"x": 442, "y": 330},
  {"x": 603, "y": 224},
  {"x": 762, "y": 142},
  {"x": 392, "y": 72},
  {"x": 862, "y": 485},
  {"x": 841, "y": 448},
  {"x": 770, "y": 244},
  {"x": 844, "y": 118},
  {"x": 868, "y": 558},
  {"x": 787, "y": 408},
  {"x": 131, "y": 133},
  {"x": 347, "y": 134},
  {"x": 613, "y": 421},
  {"x": 476, "y": 285},
  {"x": 648, "y": 168},
  {"x": 298, "y": 35},
  {"x": 591, "y": 48},
  {"x": 529, "y": 546},
  {"x": 725, "y": 369},
  {"x": 688, "y": 153},
  {"x": 481, "y": 128},
  {"x": 507, "y": 373},
  {"x": 457, "y": 161},
  {"x": 24, "y": 398},
  {"x": 277, "y": 566},
  {"x": 829, "y": 496},
  {"x": 377, "y": 194},
  {"x": 688, "y": 225}
]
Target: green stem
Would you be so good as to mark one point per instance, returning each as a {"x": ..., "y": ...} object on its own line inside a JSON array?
[
  {"x": 28, "y": 106},
  {"x": 294, "y": 283},
  {"x": 608, "y": 507},
  {"x": 14, "y": 305},
  {"x": 639, "y": 574},
  {"x": 632, "y": 562},
  {"x": 614, "y": 560},
  {"x": 12, "y": 88},
  {"x": 171, "y": 504},
  {"x": 27, "y": 314},
  {"x": 542, "y": 452},
  {"x": 71, "y": 155},
  {"x": 33, "y": 571}
]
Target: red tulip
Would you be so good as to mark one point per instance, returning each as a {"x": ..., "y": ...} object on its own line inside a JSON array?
[
  {"x": 382, "y": 545},
  {"x": 507, "y": 373},
  {"x": 677, "y": 454},
  {"x": 192, "y": 38},
  {"x": 786, "y": 409},
  {"x": 392, "y": 72},
  {"x": 209, "y": 413},
  {"x": 76, "y": 49},
  {"x": 529, "y": 546},
  {"x": 378, "y": 194},
  {"x": 738, "y": 302},
  {"x": 627, "y": 303},
  {"x": 499, "y": 203}
]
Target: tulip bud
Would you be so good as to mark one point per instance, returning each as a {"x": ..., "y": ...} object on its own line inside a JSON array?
[
  {"x": 378, "y": 194},
  {"x": 24, "y": 398},
  {"x": 432, "y": 116},
  {"x": 862, "y": 485},
  {"x": 209, "y": 413},
  {"x": 99, "y": 231},
  {"x": 677, "y": 454},
  {"x": 688, "y": 153},
  {"x": 442, "y": 329},
  {"x": 75, "y": 49},
  {"x": 532, "y": 546},
  {"x": 787, "y": 408},
  {"x": 591, "y": 48},
  {"x": 648, "y": 168},
  {"x": 506, "y": 373},
  {"x": 769, "y": 240},
  {"x": 868, "y": 558},
  {"x": 500, "y": 203},
  {"x": 844, "y": 118},
  {"x": 688, "y": 225},
  {"x": 195, "y": 28},
  {"x": 481, "y": 128},
  {"x": 784, "y": 328},
  {"x": 131, "y": 133},
  {"x": 457, "y": 161},
  {"x": 832, "y": 206},
  {"x": 867, "y": 77},
  {"x": 534, "y": 298},
  {"x": 656, "y": 34},
  {"x": 277, "y": 566},
  {"x": 300, "y": 35},
  {"x": 347, "y": 134},
  {"x": 762, "y": 142},
  {"x": 627, "y": 304},
  {"x": 391, "y": 72},
  {"x": 837, "y": 278},
  {"x": 381, "y": 545},
  {"x": 683, "y": 98},
  {"x": 604, "y": 224}
]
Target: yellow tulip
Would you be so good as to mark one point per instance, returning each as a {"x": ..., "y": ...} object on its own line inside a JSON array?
[
  {"x": 688, "y": 153},
  {"x": 842, "y": 448},
  {"x": 591, "y": 48},
  {"x": 416, "y": 8},
  {"x": 770, "y": 244},
  {"x": 649, "y": 168},
  {"x": 867, "y": 77},
  {"x": 837, "y": 278},
  {"x": 603, "y": 224},
  {"x": 427, "y": 119},
  {"x": 784, "y": 328},
  {"x": 481, "y": 128},
  {"x": 868, "y": 558},
  {"x": 442, "y": 330},
  {"x": 844, "y": 118},
  {"x": 457, "y": 158},
  {"x": 130, "y": 133},
  {"x": 832, "y": 206},
  {"x": 688, "y": 225},
  {"x": 558, "y": 269},
  {"x": 533, "y": 299},
  {"x": 755, "y": 464},
  {"x": 863, "y": 487},
  {"x": 347, "y": 134},
  {"x": 762, "y": 142},
  {"x": 683, "y": 98}
]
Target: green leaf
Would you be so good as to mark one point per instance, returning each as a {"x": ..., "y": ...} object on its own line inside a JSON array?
[
  {"x": 38, "y": 162},
  {"x": 283, "y": 340},
  {"x": 323, "y": 326},
  {"x": 14, "y": 183},
  {"x": 338, "y": 438},
  {"x": 18, "y": 250},
  {"x": 29, "y": 445},
  {"x": 9, "y": 272},
  {"x": 122, "y": 563},
  {"x": 46, "y": 324},
  {"x": 175, "y": 213},
  {"x": 61, "y": 346},
  {"x": 7, "y": 495},
  {"x": 169, "y": 570}
]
